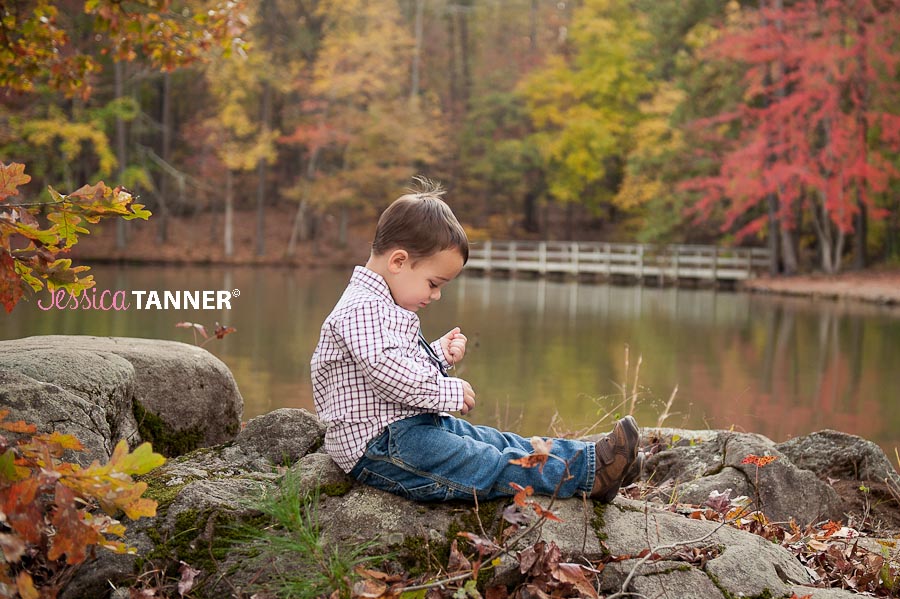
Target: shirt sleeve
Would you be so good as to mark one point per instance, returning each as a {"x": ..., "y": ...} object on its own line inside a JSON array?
[
  {"x": 384, "y": 357},
  {"x": 439, "y": 352}
]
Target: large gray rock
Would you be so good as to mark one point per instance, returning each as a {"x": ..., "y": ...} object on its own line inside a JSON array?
[
  {"x": 178, "y": 396},
  {"x": 98, "y": 377},
  {"x": 835, "y": 454},
  {"x": 696, "y": 469},
  {"x": 295, "y": 430},
  {"x": 205, "y": 495},
  {"x": 51, "y": 408}
]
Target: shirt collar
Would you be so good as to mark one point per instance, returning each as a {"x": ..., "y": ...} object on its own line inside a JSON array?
[{"x": 372, "y": 281}]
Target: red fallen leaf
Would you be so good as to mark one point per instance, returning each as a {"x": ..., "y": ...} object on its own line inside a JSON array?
[
  {"x": 521, "y": 494},
  {"x": 759, "y": 461},
  {"x": 222, "y": 330},
  {"x": 532, "y": 460},
  {"x": 544, "y": 513},
  {"x": 497, "y": 592},
  {"x": 457, "y": 561},
  {"x": 481, "y": 544},
  {"x": 574, "y": 575},
  {"x": 831, "y": 527},
  {"x": 72, "y": 536}
]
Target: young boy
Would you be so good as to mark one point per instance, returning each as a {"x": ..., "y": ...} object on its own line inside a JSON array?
[{"x": 384, "y": 392}]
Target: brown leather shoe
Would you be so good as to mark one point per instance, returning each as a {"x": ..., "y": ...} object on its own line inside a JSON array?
[{"x": 616, "y": 452}]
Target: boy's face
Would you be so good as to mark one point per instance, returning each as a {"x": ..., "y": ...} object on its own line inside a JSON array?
[{"x": 416, "y": 283}]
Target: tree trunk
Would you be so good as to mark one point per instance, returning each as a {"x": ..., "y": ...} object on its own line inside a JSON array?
[
  {"x": 452, "y": 67},
  {"x": 119, "y": 87},
  {"x": 228, "y": 232},
  {"x": 788, "y": 251},
  {"x": 261, "y": 170},
  {"x": 860, "y": 219},
  {"x": 465, "y": 54},
  {"x": 529, "y": 208},
  {"x": 417, "y": 49},
  {"x": 342, "y": 226},
  {"x": 162, "y": 232},
  {"x": 299, "y": 232}
]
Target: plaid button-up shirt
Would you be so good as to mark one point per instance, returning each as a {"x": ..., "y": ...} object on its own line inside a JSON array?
[{"x": 369, "y": 370}]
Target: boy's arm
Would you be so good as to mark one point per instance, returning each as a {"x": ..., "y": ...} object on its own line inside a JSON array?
[{"x": 394, "y": 375}]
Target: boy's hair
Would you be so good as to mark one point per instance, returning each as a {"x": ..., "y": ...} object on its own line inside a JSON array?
[{"x": 421, "y": 223}]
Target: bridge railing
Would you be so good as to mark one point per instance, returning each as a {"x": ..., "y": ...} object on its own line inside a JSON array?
[{"x": 629, "y": 259}]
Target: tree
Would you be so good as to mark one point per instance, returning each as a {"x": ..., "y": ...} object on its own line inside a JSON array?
[
  {"x": 360, "y": 128},
  {"x": 36, "y": 50},
  {"x": 819, "y": 140},
  {"x": 584, "y": 103}
]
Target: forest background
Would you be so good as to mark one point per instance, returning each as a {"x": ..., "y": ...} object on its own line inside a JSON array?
[{"x": 276, "y": 130}]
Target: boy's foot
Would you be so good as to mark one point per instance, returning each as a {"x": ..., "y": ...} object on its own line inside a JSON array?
[{"x": 616, "y": 452}]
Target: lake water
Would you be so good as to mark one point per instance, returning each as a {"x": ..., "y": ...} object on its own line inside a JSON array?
[{"x": 549, "y": 357}]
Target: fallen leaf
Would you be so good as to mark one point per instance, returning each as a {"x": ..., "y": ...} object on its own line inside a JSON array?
[
  {"x": 188, "y": 574},
  {"x": 574, "y": 575}
]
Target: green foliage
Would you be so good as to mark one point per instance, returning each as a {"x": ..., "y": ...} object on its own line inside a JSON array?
[
  {"x": 30, "y": 248},
  {"x": 50, "y": 506}
]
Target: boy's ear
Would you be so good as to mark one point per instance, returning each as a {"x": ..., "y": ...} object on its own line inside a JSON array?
[{"x": 396, "y": 260}]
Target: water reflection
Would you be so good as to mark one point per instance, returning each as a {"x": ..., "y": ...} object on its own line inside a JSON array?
[{"x": 545, "y": 352}]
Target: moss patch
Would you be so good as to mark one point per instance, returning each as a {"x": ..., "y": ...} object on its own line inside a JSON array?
[
  {"x": 164, "y": 438},
  {"x": 598, "y": 523},
  {"x": 336, "y": 489},
  {"x": 203, "y": 539}
]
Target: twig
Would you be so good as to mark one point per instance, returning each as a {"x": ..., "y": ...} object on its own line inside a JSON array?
[
  {"x": 665, "y": 412},
  {"x": 637, "y": 370},
  {"x": 654, "y": 551}
]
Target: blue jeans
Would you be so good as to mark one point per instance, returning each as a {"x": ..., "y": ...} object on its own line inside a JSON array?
[{"x": 430, "y": 457}]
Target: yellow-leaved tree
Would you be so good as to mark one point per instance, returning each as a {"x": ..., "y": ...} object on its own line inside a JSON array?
[
  {"x": 585, "y": 102},
  {"x": 368, "y": 133}
]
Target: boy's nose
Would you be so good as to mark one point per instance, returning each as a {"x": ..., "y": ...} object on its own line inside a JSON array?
[{"x": 436, "y": 294}]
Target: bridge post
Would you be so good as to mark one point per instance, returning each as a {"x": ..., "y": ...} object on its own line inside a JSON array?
[
  {"x": 487, "y": 256},
  {"x": 574, "y": 249},
  {"x": 542, "y": 257},
  {"x": 715, "y": 265},
  {"x": 640, "y": 266}
]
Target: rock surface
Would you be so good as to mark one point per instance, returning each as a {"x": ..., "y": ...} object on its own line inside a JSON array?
[
  {"x": 177, "y": 396},
  {"x": 696, "y": 468},
  {"x": 204, "y": 493}
]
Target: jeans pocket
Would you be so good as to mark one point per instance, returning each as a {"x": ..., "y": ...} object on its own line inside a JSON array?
[
  {"x": 373, "y": 479},
  {"x": 429, "y": 492}
]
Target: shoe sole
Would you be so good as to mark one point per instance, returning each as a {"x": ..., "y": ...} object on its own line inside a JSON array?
[{"x": 632, "y": 433}]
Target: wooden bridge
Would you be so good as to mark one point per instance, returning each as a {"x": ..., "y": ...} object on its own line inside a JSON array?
[{"x": 632, "y": 260}]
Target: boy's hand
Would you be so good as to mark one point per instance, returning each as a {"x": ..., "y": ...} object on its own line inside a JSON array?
[
  {"x": 468, "y": 398},
  {"x": 454, "y": 346}
]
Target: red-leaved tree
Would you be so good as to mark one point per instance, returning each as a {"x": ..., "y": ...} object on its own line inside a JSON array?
[{"x": 808, "y": 144}]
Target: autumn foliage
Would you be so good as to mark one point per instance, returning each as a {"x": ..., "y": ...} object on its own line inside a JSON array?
[
  {"x": 53, "y": 512},
  {"x": 814, "y": 138},
  {"x": 34, "y": 236}
]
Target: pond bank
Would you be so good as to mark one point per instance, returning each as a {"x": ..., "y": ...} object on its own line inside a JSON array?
[{"x": 877, "y": 286}]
